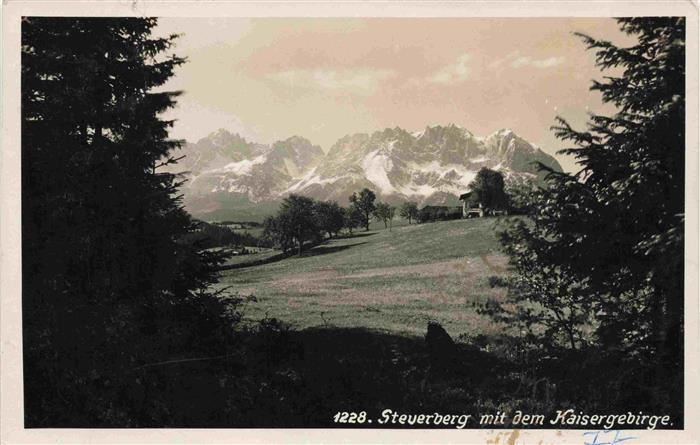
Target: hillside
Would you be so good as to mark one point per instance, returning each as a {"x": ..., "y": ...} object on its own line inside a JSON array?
[{"x": 391, "y": 281}]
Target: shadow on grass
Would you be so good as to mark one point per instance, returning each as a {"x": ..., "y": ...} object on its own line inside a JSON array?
[
  {"x": 318, "y": 249},
  {"x": 271, "y": 259},
  {"x": 355, "y": 235},
  {"x": 324, "y": 250}
]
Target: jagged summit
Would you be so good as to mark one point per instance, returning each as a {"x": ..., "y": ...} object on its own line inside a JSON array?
[{"x": 430, "y": 166}]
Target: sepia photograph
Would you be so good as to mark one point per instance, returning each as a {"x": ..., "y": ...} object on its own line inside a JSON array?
[{"x": 356, "y": 222}]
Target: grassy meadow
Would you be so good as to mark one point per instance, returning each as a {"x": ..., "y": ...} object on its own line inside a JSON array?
[
  {"x": 345, "y": 324},
  {"x": 391, "y": 281}
]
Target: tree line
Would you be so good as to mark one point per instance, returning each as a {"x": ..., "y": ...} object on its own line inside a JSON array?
[{"x": 302, "y": 221}]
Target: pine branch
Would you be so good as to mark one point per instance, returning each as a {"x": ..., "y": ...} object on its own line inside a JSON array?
[{"x": 169, "y": 161}]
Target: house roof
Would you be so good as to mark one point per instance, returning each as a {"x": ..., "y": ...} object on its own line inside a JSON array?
[{"x": 464, "y": 196}]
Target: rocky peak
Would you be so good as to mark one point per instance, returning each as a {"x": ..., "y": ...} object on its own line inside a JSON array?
[{"x": 432, "y": 166}]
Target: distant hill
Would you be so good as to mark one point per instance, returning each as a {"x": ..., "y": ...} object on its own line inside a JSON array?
[{"x": 228, "y": 176}]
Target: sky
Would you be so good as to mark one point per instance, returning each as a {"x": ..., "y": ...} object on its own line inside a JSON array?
[{"x": 323, "y": 78}]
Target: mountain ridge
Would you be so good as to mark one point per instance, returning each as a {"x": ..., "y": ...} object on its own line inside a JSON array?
[{"x": 432, "y": 166}]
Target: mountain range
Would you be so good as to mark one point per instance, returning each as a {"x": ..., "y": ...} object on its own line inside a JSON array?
[{"x": 230, "y": 177}]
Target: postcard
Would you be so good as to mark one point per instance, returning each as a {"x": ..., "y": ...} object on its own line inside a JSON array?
[{"x": 356, "y": 222}]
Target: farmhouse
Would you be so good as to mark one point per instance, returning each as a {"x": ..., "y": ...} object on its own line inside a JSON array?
[
  {"x": 470, "y": 209},
  {"x": 473, "y": 209}
]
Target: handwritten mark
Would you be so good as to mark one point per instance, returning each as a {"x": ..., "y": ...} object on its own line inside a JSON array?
[{"x": 606, "y": 437}]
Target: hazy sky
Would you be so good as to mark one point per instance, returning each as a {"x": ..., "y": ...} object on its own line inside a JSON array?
[{"x": 321, "y": 78}]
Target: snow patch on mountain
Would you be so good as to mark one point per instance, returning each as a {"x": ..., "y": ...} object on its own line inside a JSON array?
[
  {"x": 427, "y": 166},
  {"x": 455, "y": 172},
  {"x": 417, "y": 191},
  {"x": 376, "y": 166},
  {"x": 244, "y": 167},
  {"x": 311, "y": 178}
]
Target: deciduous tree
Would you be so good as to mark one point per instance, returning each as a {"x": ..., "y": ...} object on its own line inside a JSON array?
[
  {"x": 488, "y": 189},
  {"x": 364, "y": 203},
  {"x": 352, "y": 218},
  {"x": 296, "y": 222},
  {"x": 384, "y": 212},
  {"x": 409, "y": 211},
  {"x": 330, "y": 217}
]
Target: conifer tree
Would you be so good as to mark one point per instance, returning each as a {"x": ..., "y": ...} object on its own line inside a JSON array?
[
  {"x": 109, "y": 282},
  {"x": 608, "y": 240}
]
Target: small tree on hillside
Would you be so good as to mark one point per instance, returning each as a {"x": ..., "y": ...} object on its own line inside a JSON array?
[
  {"x": 364, "y": 203},
  {"x": 330, "y": 216},
  {"x": 352, "y": 218},
  {"x": 409, "y": 211},
  {"x": 294, "y": 224},
  {"x": 383, "y": 212},
  {"x": 488, "y": 189},
  {"x": 276, "y": 235},
  {"x": 392, "y": 213}
]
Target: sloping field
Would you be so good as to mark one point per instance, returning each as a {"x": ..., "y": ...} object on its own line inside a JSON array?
[{"x": 391, "y": 281}]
